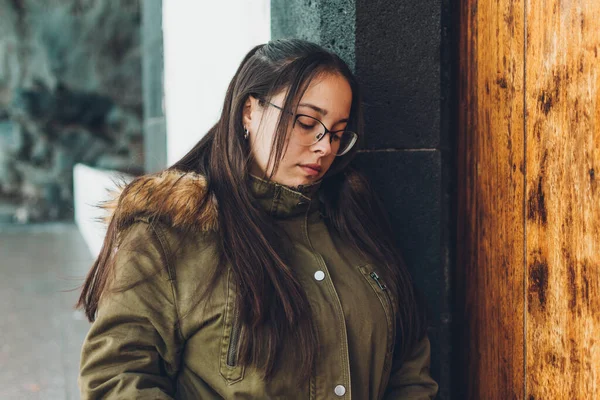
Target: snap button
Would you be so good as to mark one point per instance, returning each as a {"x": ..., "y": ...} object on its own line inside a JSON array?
[
  {"x": 340, "y": 390},
  {"x": 319, "y": 275}
]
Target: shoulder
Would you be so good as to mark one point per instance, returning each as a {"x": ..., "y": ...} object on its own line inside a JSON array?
[
  {"x": 153, "y": 251},
  {"x": 179, "y": 200},
  {"x": 161, "y": 220}
]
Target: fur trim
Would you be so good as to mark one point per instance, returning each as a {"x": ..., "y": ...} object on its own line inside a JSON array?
[{"x": 178, "y": 198}]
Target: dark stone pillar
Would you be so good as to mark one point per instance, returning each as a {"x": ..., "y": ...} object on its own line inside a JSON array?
[
  {"x": 331, "y": 24},
  {"x": 155, "y": 132},
  {"x": 400, "y": 52}
]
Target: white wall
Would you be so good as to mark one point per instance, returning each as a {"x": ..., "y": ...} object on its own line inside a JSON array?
[
  {"x": 91, "y": 186},
  {"x": 204, "y": 42}
]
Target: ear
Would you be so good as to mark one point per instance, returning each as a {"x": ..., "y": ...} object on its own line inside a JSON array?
[{"x": 249, "y": 107}]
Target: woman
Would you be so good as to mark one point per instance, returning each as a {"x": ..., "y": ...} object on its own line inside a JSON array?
[{"x": 260, "y": 265}]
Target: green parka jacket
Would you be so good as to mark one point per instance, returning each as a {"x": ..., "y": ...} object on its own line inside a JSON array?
[{"x": 148, "y": 342}]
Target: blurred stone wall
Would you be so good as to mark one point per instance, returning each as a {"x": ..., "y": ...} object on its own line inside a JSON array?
[{"x": 70, "y": 92}]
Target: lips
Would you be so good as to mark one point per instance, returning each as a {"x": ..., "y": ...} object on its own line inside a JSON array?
[
  {"x": 315, "y": 167},
  {"x": 311, "y": 170}
]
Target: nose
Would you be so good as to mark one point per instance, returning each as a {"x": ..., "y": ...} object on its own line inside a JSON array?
[{"x": 323, "y": 145}]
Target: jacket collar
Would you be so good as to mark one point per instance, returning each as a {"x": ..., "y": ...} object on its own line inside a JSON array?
[
  {"x": 176, "y": 197},
  {"x": 283, "y": 201},
  {"x": 181, "y": 199}
]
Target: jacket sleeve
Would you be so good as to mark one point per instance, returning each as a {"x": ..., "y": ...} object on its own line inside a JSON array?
[
  {"x": 411, "y": 379},
  {"x": 132, "y": 348}
]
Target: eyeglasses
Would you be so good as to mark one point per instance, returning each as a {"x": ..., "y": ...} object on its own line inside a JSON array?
[{"x": 307, "y": 130}]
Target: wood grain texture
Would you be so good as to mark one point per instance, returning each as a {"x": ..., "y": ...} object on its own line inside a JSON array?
[
  {"x": 563, "y": 199},
  {"x": 489, "y": 280}
]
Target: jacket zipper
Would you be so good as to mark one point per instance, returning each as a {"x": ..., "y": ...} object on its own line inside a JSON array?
[
  {"x": 384, "y": 289},
  {"x": 388, "y": 362},
  {"x": 377, "y": 279},
  {"x": 232, "y": 352}
]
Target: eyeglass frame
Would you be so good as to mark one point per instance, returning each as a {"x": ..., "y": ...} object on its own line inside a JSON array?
[{"x": 295, "y": 115}]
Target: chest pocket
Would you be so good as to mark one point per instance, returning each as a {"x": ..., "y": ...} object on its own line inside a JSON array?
[
  {"x": 229, "y": 367},
  {"x": 378, "y": 285}
]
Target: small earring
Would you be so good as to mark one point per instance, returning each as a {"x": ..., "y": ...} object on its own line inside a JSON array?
[{"x": 245, "y": 133}]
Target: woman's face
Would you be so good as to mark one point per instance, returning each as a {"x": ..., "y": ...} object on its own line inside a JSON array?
[{"x": 328, "y": 98}]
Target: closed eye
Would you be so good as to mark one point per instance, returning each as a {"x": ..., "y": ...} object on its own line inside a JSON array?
[{"x": 305, "y": 126}]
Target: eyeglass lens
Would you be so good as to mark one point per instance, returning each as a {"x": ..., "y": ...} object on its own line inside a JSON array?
[{"x": 309, "y": 130}]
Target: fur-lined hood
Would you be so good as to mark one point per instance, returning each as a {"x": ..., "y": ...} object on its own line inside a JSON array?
[{"x": 175, "y": 196}]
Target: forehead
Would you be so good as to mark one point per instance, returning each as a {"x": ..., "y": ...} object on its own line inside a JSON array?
[{"x": 330, "y": 92}]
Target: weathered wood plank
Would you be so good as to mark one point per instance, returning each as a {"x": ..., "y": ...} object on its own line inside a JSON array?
[
  {"x": 563, "y": 199},
  {"x": 490, "y": 266}
]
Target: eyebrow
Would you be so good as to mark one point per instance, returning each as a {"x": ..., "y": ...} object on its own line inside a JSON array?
[{"x": 320, "y": 110}]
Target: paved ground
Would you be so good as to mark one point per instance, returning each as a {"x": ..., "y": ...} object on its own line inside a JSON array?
[{"x": 40, "y": 332}]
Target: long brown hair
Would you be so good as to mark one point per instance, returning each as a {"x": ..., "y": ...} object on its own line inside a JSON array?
[{"x": 271, "y": 303}]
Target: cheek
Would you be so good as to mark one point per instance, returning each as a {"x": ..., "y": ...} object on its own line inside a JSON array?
[
  {"x": 329, "y": 160},
  {"x": 261, "y": 146},
  {"x": 296, "y": 154},
  {"x": 260, "y": 152}
]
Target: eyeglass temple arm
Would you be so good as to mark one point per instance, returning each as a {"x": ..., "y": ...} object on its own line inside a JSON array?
[{"x": 279, "y": 108}]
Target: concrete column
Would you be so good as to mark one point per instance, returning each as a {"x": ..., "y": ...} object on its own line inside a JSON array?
[
  {"x": 400, "y": 53},
  {"x": 155, "y": 133}
]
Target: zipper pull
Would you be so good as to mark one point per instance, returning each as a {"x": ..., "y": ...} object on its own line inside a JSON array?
[{"x": 377, "y": 279}]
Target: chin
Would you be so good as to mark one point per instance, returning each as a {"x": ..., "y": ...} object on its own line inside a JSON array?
[
  {"x": 294, "y": 182},
  {"x": 311, "y": 180},
  {"x": 295, "y": 179}
]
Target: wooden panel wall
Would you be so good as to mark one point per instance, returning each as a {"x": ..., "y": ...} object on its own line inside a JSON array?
[
  {"x": 563, "y": 199},
  {"x": 528, "y": 268},
  {"x": 489, "y": 281}
]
